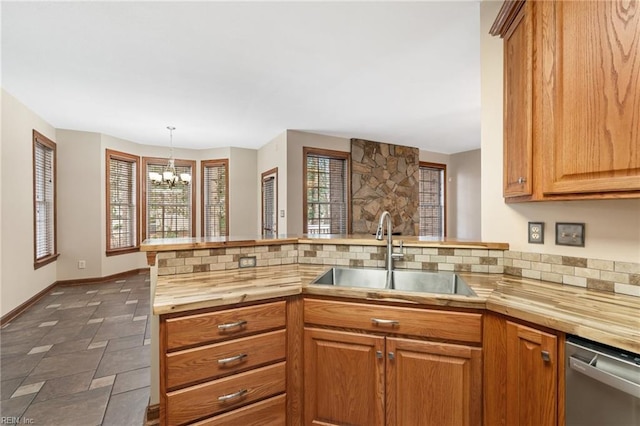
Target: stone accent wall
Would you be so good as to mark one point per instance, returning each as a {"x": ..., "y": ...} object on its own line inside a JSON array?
[
  {"x": 597, "y": 274},
  {"x": 384, "y": 177}
]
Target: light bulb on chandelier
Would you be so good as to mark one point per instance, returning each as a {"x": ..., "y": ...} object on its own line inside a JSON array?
[{"x": 169, "y": 176}]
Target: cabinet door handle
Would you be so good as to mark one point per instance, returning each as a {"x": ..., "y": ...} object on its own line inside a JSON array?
[
  {"x": 545, "y": 356},
  {"x": 392, "y": 356},
  {"x": 229, "y": 396},
  {"x": 380, "y": 321},
  {"x": 521, "y": 180},
  {"x": 227, "y": 326},
  {"x": 379, "y": 354},
  {"x": 232, "y": 359}
]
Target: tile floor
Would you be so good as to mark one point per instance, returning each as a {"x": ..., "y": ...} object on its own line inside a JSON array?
[{"x": 79, "y": 356}]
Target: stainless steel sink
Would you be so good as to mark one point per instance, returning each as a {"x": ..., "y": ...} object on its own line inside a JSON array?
[{"x": 402, "y": 280}]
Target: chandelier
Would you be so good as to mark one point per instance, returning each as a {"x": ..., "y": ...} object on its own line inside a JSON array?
[{"x": 169, "y": 176}]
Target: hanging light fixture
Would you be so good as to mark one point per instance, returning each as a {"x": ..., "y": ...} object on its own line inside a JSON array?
[{"x": 169, "y": 176}]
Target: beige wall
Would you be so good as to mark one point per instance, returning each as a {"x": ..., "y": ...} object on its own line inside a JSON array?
[
  {"x": 463, "y": 176},
  {"x": 271, "y": 155},
  {"x": 296, "y": 140},
  {"x": 244, "y": 213},
  {"x": 612, "y": 227},
  {"x": 19, "y": 280}
]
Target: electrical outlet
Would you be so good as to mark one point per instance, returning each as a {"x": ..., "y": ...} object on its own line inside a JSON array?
[
  {"x": 82, "y": 264},
  {"x": 536, "y": 232},
  {"x": 247, "y": 262},
  {"x": 570, "y": 234}
]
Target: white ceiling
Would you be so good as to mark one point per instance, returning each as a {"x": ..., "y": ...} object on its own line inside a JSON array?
[{"x": 240, "y": 73}]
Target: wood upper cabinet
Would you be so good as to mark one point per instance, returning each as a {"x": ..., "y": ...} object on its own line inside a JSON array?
[
  {"x": 521, "y": 374},
  {"x": 343, "y": 374},
  {"x": 571, "y": 99},
  {"x": 532, "y": 366},
  {"x": 518, "y": 106}
]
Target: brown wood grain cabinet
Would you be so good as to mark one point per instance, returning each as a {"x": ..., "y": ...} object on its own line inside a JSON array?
[
  {"x": 521, "y": 374},
  {"x": 372, "y": 376},
  {"x": 226, "y": 366},
  {"x": 571, "y": 99}
]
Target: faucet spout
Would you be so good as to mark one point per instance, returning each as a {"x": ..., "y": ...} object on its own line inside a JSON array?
[{"x": 385, "y": 219}]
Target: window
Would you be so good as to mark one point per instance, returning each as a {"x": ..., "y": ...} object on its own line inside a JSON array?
[
  {"x": 44, "y": 200},
  {"x": 122, "y": 202},
  {"x": 270, "y": 203},
  {"x": 168, "y": 212},
  {"x": 432, "y": 199},
  {"x": 326, "y": 188},
  {"x": 215, "y": 198}
]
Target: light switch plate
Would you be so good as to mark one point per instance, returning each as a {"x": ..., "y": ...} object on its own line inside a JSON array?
[
  {"x": 536, "y": 232},
  {"x": 570, "y": 234}
]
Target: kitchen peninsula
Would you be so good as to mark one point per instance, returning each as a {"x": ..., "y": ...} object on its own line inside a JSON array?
[{"x": 198, "y": 286}]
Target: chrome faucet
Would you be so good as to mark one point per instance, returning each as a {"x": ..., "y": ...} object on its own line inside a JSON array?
[{"x": 390, "y": 254}]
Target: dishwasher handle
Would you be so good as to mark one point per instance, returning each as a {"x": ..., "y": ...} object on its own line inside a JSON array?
[{"x": 605, "y": 377}]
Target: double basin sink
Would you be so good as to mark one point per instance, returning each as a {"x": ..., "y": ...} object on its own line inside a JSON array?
[{"x": 401, "y": 280}]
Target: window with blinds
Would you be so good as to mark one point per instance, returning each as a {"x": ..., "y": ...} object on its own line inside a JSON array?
[
  {"x": 215, "y": 198},
  {"x": 122, "y": 202},
  {"x": 168, "y": 212},
  {"x": 44, "y": 199},
  {"x": 432, "y": 199},
  {"x": 326, "y": 185},
  {"x": 270, "y": 203}
]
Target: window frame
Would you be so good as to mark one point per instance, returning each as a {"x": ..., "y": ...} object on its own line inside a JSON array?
[
  {"x": 443, "y": 167},
  {"x": 327, "y": 153},
  {"x": 156, "y": 161},
  {"x": 130, "y": 158},
  {"x": 263, "y": 178},
  {"x": 203, "y": 190},
  {"x": 40, "y": 139}
]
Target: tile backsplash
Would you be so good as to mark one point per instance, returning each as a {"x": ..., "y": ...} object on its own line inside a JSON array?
[{"x": 597, "y": 274}]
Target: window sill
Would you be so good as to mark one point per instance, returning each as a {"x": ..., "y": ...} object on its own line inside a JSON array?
[
  {"x": 43, "y": 261},
  {"x": 127, "y": 250}
]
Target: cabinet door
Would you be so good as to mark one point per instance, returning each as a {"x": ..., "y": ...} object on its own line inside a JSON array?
[
  {"x": 344, "y": 378},
  {"x": 432, "y": 383},
  {"x": 532, "y": 367},
  {"x": 591, "y": 81},
  {"x": 518, "y": 112}
]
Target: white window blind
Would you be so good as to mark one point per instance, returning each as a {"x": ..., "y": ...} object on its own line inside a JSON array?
[
  {"x": 432, "y": 201},
  {"x": 44, "y": 200},
  {"x": 269, "y": 219},
  {"x": 326, "y": 192},
  {"x": 168, "y": 210},
  {"x": 215, "y": 196},
  {"x": 122, "y": 209}
]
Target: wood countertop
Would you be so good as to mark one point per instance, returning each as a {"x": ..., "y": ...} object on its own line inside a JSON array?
[
  {"x": 171, "y": 244},
  {"x": 604, "y": 317}
]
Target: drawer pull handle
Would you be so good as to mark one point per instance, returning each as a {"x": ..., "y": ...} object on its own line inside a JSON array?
[
  {"x": 227, "y": 326},
  {"x": 227, "y": 397},
  {"x": 232, "y": 359},
  {"x": 379, "y": 321}
]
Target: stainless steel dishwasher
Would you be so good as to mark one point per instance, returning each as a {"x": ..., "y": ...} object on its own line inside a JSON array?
[{"x": 602, "y": 385}]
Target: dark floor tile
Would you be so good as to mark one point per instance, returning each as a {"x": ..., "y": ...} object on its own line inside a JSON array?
[
  {"x": 8, "y": 387},
  {"x": 68, "y": 385},
  {"x": 118, "y": 318},
  {"x": 112, "y": 310},
  {"x": 65, "y": 365},
  {"x": 88, "y": 331},
  {"x": 23, "y": 324},
  {"x": 130, "y": 380},
  {"x": 125, "y": 342},
  {"x": 15, "y": 407},
  {"x": 20, "y": 365},
  {"x": 61, "y": 334},
  {"x": 127, "y": 409},
  {"x": 79, "y": 314},
  {"x": 81, "y": 409},
  {"x": 124, "y": 360},
  {"x": 112, "y": 330},
  {"x": 68, "y": 347},
  {"x": 116, "y": 297},
  {"x": 9, "y": 351},
  {"x": 29, "y": 335}
]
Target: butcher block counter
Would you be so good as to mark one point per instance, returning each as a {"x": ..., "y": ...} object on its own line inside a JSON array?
[{"x": 604, "y": 317}]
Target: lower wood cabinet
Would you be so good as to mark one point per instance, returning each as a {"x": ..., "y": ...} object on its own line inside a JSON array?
[
  {"x": 370, "y": 380},
  {"x": 522, "y": 371}
]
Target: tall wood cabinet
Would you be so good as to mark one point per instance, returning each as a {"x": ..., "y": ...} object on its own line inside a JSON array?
[
  {"x": 374, "y": 377},
  {"x": 572, "y": 99}
]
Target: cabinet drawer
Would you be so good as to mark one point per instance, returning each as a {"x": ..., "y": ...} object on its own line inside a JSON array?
[
  {"x": 216, "y": 326},
  {"x": 207, "y": 399},
  {"x": 212, "y": 361},
  {"x": 270, "y": 412},
  {"x": 458, "y": 326}
]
